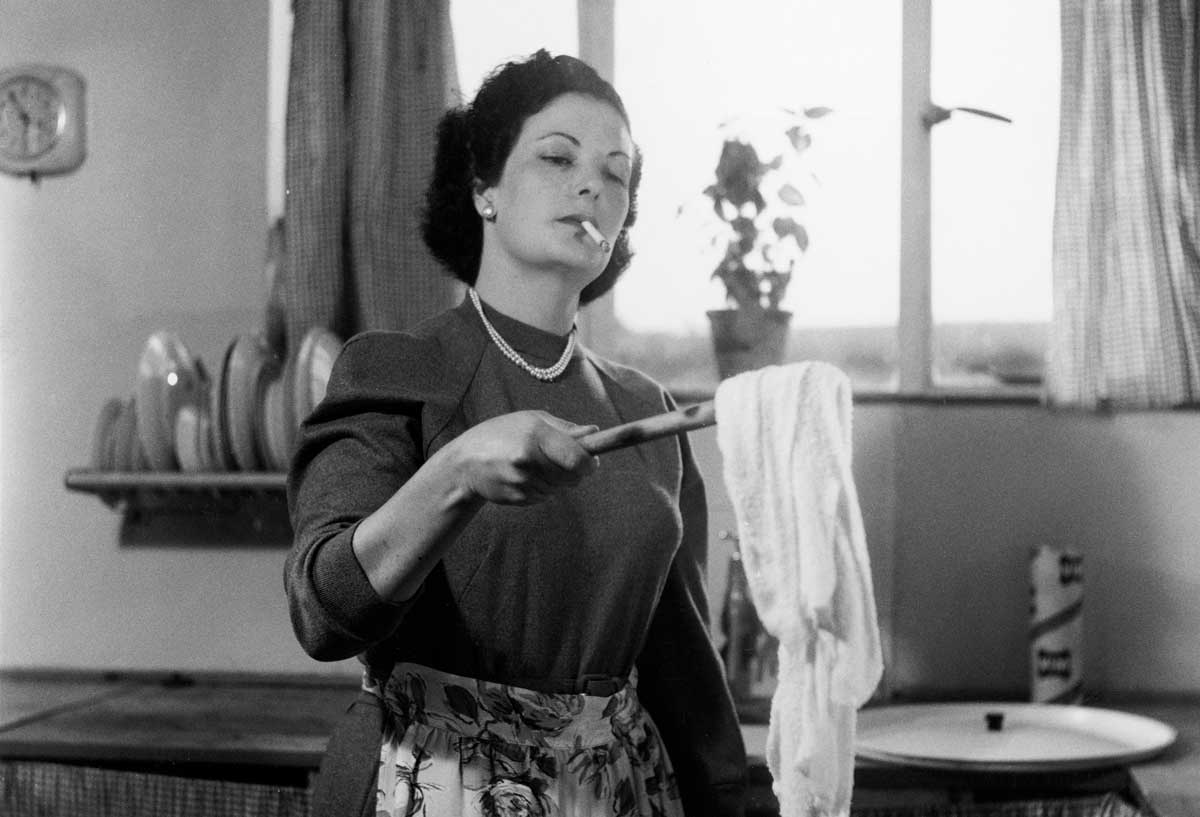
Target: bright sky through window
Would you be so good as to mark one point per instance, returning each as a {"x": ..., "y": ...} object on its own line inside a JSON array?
[
  {"x": 993, "y": 184},
  {"x": 488, "y": 33},
  {"x": 684, "y": 66}
]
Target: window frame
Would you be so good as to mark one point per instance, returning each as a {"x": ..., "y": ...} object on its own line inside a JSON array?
[
  {"x": 915, "y": 324},
  {"x": 598, "y": 324}
]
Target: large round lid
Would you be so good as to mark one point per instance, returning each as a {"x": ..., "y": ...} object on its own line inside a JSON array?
[{"x": 1013, "y": 737}]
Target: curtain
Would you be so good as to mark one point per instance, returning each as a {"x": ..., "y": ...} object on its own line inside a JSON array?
[
  {"x": 369, "y": 81},
  {"x": 1126, "y": 258}
]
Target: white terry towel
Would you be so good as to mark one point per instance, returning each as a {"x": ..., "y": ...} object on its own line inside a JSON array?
[{"x": 784, "y": 434}]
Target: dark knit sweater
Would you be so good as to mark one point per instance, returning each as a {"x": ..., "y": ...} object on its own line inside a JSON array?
[{"x": 600, "y": 578}]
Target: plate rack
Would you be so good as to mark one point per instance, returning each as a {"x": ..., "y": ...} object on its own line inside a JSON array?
[{"x": 212, "y": 507}]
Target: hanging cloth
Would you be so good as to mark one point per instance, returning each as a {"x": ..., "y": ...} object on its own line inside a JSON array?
[{"x": 784, "y": 434}]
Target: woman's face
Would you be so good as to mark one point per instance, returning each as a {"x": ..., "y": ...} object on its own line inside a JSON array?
[{"x": 571, "y": 161}]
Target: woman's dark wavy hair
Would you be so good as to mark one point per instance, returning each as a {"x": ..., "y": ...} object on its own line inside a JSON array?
[{"x": 473, "y": 142}]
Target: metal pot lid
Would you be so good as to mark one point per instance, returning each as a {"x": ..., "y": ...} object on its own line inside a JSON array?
[{"x": 1007, "y": 737}]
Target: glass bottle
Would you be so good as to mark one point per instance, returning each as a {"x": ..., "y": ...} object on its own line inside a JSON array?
[
  {"x": 749, "y": 652},
  {"x": 737, "y": 614}
]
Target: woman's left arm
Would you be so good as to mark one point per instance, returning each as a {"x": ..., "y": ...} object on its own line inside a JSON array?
[{"x": 680, "y": 677}]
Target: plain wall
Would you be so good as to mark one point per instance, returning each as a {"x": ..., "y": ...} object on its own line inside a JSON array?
[
  {"x": 978, "y": 488},
  {"x": 164, "y": 226},
  {"x": 954, "y": 498}
]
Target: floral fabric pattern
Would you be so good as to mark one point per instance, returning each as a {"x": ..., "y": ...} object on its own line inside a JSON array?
[{"x": 459, "y": 746}]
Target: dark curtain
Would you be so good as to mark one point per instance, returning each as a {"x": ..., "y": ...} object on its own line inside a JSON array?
[{"x": 369, "y": 80}]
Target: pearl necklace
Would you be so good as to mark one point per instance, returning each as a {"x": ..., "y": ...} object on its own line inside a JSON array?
[{"x": 548, "y": 373}]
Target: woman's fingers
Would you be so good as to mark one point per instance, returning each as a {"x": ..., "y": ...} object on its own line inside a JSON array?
[
  {"x": 573, "y": 430},
  {"x": 565, "y": 460},
  {"x": 524, "y": 457}
]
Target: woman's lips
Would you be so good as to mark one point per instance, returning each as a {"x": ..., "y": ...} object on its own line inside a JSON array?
[
  {"x": 595, "y": 235},
  {"x": 588, "y": 227}
]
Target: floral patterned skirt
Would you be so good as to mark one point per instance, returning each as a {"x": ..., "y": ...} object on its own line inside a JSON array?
[{"x": 459, "y": 746}]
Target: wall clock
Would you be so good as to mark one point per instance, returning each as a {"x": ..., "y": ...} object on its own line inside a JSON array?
[{"x": 41, "y": 120}]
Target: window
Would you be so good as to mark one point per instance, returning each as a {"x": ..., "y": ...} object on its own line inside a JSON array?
[
  {"x": 957, "y": 298},
  {"x": 279, "y": 51},
  {"x": 993, "y": 189},
  {"x": 683, "y": 68},
  {"x": 487, "y": 34}
]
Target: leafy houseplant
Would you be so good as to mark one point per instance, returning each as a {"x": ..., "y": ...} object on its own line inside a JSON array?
[{"x": 759, "y": 204}]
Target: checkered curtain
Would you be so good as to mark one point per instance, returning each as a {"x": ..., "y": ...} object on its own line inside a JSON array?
[
  {"x": 369, "y": 81},
  {"x": 1126, "y": 328}
]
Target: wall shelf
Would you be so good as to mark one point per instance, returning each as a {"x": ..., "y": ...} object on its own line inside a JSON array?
[
  {"x": 191, "y": 508},
  {"x": 116, "y": 486}
]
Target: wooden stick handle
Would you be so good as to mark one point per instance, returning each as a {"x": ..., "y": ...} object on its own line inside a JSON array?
[{"x": 688, "y": 418}]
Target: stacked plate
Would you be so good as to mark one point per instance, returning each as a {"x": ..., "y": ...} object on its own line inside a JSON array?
[
  {"x": 115, "y": 444},
  {"x": 249, "y": 365},
  {"x": 313, "y": 363},
  {"x": 243, "y": 419},
  {"x": 169, "y": 378}
]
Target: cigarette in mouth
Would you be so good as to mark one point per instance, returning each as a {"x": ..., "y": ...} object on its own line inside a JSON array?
[{"x": 596, "y": 235}]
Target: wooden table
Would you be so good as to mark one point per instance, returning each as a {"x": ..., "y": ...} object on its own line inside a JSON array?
[
  {"x": 233, "y": 723},
  {"x": 147, "y": 746}
]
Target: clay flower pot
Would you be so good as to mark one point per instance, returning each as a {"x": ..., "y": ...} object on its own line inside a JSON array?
[{"x": 748, "y": 339}]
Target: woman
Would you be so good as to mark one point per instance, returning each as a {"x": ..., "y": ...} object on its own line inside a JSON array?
[{"x": 532, "y": 621}]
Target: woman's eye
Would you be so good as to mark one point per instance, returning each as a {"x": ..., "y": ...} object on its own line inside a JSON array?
[
  {"x": 561, "y": 161},
  {"x": 619, "y": 179}
]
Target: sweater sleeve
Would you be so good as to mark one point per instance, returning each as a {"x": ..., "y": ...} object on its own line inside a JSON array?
[
  {"x": 354, "y": 451},
  {"x": 680, "y": 678}
]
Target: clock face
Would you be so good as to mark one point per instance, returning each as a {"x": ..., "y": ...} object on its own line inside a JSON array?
[{"x": 31, "y": 117}]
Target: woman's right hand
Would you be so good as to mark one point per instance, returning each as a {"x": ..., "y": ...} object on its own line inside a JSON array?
[{"x": 521, "y": 458}]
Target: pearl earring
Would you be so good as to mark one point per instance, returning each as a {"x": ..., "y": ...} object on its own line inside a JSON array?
[{"x": 489, "y": 211}]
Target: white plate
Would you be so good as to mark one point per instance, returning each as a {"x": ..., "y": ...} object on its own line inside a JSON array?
[
  {"x": 168, "y": 378},
  {"x": 222, "y": 452},
  {"x": 125, "y": 437},
  {"x": 102, "y": 440},
  {"x": 251, "y": 363},
  {"x": 276, "y": 432},
  {"x": 189, "y": 439},
  {"x": 1033, "y": 737},
  {"x": 205, "y": 452},
  {"x": 314, "y": 363}
]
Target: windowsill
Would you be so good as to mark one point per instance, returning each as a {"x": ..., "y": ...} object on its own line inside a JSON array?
[
  {"x": 954, "y": 397},
  {"x": 686, "y": 395},
  {"x": 1031, "y": 396}
]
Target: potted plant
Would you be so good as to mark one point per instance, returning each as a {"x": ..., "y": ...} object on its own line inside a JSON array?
[{"x": 759, "y": 205}]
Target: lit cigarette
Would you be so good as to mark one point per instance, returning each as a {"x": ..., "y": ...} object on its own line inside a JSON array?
[{"x": 596, "y": 235}]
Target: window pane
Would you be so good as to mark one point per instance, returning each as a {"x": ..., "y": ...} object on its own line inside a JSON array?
[
  {"x": 683, "y": 68},
  {"x": 993, "y": 188},
  {"x": 487, "y": 33}
]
